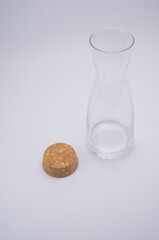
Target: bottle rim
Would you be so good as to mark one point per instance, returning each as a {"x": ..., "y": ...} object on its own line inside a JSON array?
[{"x": 121, "y": 31}]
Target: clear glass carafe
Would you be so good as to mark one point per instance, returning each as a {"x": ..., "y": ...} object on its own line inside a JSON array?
[{"x": 110, "y": 115}]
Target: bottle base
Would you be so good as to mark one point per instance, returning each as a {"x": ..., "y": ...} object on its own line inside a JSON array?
[{"x": 110, "y": 139}]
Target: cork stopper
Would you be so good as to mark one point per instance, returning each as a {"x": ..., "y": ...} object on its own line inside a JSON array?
[{"x": 60, "y": 160}]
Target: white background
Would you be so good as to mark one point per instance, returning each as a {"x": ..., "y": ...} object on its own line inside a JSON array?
[{"x": 46, "y": 74}]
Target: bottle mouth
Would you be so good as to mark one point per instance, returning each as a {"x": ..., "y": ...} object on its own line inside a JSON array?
[{"x": 111, "y": 40}]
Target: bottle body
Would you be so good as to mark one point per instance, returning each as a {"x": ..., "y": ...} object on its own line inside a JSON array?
[{"x": 110, "y": 115}]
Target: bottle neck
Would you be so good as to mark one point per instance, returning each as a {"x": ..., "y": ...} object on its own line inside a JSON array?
[
  {"x": 110, "y": 75},
  {"x": 111, "y": 67}
]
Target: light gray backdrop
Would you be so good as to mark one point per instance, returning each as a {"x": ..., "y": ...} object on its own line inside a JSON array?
[{"x": 46, "y": 73}]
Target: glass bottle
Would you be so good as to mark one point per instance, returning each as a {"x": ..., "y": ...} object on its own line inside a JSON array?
[{"x": 110, "y": 115}]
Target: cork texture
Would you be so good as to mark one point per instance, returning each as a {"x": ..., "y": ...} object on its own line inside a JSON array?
[{"x": 60, "y": 160}]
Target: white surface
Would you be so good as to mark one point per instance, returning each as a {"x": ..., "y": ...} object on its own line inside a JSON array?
[{"x": 46, "y": 73}]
